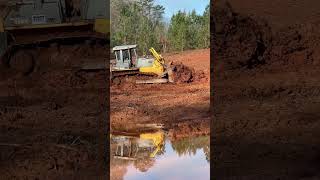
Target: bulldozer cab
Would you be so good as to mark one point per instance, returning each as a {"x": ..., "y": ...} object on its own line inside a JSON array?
[{"x": 126, "y": 56}]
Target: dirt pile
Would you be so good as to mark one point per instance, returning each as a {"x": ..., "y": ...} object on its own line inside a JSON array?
[
  {"x": 297, "y": 45},
  {"x": 181, "y": 73},
  {"x": 240, "y": 40},
  {"x": 186, "y": 74}
]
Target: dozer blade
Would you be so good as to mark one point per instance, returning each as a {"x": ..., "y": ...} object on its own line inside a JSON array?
[{"x": 152, "y": 81}]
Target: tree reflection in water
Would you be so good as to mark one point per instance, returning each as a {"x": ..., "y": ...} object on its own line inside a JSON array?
[
  {"x": 190, "y": 145},
  {"x": 144, "y": 156}
]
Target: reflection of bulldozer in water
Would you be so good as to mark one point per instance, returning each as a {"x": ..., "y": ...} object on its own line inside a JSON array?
[
  {"x": 29, "y": 25},
  {"x": 128, "y": 63},
  {"x": 137, "y": 146}
]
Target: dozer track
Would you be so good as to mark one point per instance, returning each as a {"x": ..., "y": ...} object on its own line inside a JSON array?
[
  {"x": 136, "y": 77},
  {"x": 118, "y": 73},
  {"x": 24, "y": 51}
]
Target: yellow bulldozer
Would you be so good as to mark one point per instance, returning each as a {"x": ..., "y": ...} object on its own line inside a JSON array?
[
  {"x": 128, "y": 63},
  {"x": 29, "y": 25}
]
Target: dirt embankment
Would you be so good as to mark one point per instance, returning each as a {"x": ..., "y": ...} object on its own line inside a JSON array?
[{"x": 266, "y": 97}]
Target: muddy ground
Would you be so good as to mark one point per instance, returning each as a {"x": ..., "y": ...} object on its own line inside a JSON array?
[
  {"x": 51, "y": 119},
  {"x": 167, "y": 104},
  {"x": 180, "y": 108},
  {"x": 266, "y": 90}
]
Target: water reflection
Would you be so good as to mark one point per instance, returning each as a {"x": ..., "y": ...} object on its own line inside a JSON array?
[
  {"x": 141, "y": 146},
  {"x": 190, "y": 145},
  {"x": 153, "y": 155}
]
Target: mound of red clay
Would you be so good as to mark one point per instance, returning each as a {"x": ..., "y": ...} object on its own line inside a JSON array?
[
  {"x": 186, "y": 74},
  {"x": 181, "y": 73},
  {"x": 240, "y": 40}
]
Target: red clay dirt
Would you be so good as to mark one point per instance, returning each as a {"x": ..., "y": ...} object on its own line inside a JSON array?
[
  {"x": 167, "y": 104},
  {"x": 266, "y": 122},
  {"x": 182, "y": 107},
  {"x": 49, "y": 120}
]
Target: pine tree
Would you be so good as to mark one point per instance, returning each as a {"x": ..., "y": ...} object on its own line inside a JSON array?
[{"x": 141, "y": 22}]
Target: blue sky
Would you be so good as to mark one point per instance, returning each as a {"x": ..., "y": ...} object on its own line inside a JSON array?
[{"x": 173, "y": 6}]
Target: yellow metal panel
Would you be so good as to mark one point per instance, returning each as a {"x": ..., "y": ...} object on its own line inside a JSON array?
[
  {"x": 157, "y": 137},
  {"x": 1, "y": 25},
  {"x": 102, "y": 26},
  {"x": 157, "y": 67},
  {"x": 158, "y": 70}
]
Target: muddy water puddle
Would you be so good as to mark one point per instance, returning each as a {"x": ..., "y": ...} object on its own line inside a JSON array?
[{"x": 153, "y": 154}]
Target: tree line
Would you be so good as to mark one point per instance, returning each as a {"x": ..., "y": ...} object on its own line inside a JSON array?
[{"x": 142, "y": 22}]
